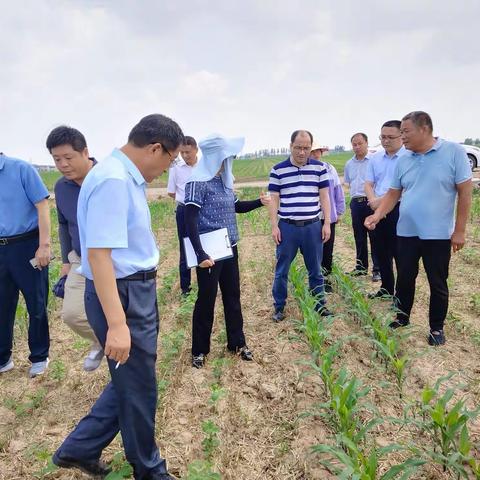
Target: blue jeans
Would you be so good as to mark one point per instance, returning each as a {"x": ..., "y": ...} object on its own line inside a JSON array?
[
  {"x": 18, "y": 275},
  {"x": 308, "y": 240},
  {"x": 128, "y": 403}
]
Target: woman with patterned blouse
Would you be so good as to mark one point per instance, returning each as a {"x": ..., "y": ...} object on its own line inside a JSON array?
[{"x": 210, "y": 204}]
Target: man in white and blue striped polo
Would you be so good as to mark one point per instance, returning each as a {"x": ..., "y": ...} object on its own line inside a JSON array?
[{"x": 299, "y": 190}]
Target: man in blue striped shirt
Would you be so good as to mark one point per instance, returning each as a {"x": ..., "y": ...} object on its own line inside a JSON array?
[{"x": 299, "y": 190}]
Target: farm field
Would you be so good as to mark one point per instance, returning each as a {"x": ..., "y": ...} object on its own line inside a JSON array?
[
  {"x": 244, "y": 170},
  {"x": 321, "y": 396}
]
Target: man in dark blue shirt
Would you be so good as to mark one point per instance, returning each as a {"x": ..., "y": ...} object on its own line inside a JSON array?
[{"x": 68, "y": 148}]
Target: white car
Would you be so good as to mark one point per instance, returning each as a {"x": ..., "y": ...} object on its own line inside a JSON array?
[{"x": 473, "y": 153}]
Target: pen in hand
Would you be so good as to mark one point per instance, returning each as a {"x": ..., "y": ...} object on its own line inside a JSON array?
[{"x": 117, "y": 365}]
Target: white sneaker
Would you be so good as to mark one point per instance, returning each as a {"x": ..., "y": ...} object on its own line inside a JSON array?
[
  {"x": 7, "y": 366},
  {"x": 38, "y": 368},
  {"x": 93, "y": 359}
]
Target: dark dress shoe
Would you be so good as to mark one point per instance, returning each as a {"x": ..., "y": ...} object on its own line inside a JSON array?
[
  {"x": 278, "y": 316},
  {"x": 97, "y": 468},
  {"x": 436, "y": 338},
  {"x": 398, "y": 324},
  {"x": 245, "y": 354},
  {"x": 198, "y": 361}
]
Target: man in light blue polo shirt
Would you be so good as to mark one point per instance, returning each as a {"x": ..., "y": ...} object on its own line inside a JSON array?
[
  {"x": 354, "y": 175},
  {"x": 378, "y": 180},
  {"x": 430, "y": 178},
  {"x": 119, "y": 258},
  {"x": 24, "y": 242}
]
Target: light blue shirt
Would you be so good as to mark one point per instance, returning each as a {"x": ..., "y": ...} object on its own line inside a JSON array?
[
  {"x": 428, "y": 182},
  {"x": 20, "y": 189},
  {"x": 355, "y": 174},
  {"x": 113, "y": 213},
  {"x": 380, "y": 170}
]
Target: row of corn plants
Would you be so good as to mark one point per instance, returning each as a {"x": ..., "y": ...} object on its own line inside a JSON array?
[
  {"x": 387, "y": 346},
  {"x": 345, "y": 408}
]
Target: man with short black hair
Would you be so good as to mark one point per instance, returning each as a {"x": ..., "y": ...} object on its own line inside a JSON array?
[
  {"x": 68, "y": 148},
  {"x": 299, "y": 191},
  {"x": 430, "y": 177},
  {"x": 24, "y": 258},
  {"x": 354, "y": 175},
  {"x": 177, "y": 178},
  {"x": 378, "y": 180},
  {"x": 119, "y": 259}
]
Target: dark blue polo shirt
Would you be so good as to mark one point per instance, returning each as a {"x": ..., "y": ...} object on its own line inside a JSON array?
[{"x": 66, "y": 199}]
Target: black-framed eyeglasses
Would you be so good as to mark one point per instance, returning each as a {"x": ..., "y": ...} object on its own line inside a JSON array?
[{"x": 164, "y": 149}]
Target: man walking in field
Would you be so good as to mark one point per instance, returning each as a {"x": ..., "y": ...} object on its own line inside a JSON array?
[
  {"x": 24, "y": 258},
  {"x": 298, "y": 186},
  {"x": 119, "y": 259},
  {"x": 355, "y": 174},
  {"x": 177, "y": 178},
  {"x": 68, "y": 148},
  {"x": 378, "y": 180},
  {"x": 429, "y": 178}
]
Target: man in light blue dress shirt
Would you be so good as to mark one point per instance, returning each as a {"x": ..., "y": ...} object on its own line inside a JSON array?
[
  {"x": 378, "y": 180},
  {"x": 119, "y": 258},
  {"x": 431, "y": 177},
  {"x": 24, "y": 236},
  {"x": 354, "y": 175}
]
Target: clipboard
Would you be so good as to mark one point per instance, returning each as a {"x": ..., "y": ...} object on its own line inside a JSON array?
[{"x": 216, "y": 244}]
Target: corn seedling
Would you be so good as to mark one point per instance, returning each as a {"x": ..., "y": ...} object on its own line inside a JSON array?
[
  {"x": 362, "y": 464},
  {"x": 120, "y": 468},
  {"x": 201, "y": 470}
]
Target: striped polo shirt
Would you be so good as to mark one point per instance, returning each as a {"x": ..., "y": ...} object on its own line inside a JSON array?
[{"x": 299, "y": 188}]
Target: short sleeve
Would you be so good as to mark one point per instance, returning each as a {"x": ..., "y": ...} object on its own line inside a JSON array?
[
  {"x": 274, "y": 181},
  {"x": 34, "y": 187},
  {"x": 323, "y": 178},
  {"x": 396, "y": 183},
  {"x": 195, "y": 193},
  {"x": 334, "y": 176},
  {"x": 171, "y": 187},
  {"x": 346, "y": 173},
  {"x": 370, "y": 176},
  {"x": 107, "y": 215},
  {"x": 463, "y": 171}
]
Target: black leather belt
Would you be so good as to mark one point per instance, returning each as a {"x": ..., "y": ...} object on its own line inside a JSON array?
[
  {"x": 359, "y": 199},
  {"x": 18, "y": 238},
  {"x": 141, "y": 276},
  {"x": 300, "y": 223}
]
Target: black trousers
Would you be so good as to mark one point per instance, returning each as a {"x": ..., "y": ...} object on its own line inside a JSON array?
[
  {"x": 226, "y": 274},
  {"x": 327, "y": 258},
  {"x": 185, "y": 274},
  {"x": 384, "y": 241},
  {"x": 17, "y": 275},
  {"x": 435, "y": 255},
  {"x": 360, "y": 211}
]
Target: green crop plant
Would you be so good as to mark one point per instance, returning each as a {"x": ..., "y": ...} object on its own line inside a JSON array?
[
  {"x": 57, "y": 370},
  {"x": 210, "y": 440},
  {"x": 445, "y": 423},
  {"x": 120, "y": 468},
  {"x": 362, "y": 463},
  {"x": 201, "y": 470}
]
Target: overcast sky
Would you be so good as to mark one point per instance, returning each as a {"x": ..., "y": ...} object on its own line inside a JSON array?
[{"x": 260, "y": 68}]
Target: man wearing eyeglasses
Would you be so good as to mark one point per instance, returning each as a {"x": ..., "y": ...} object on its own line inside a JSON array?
[
  {"x": 119, "y": 257},
  {"x": 378, "y": 180},
  {"x": 354, "y": 175},
  {"x": 299, "y": 192}
]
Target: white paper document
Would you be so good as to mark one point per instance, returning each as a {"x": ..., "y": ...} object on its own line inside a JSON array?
[{"x": 216, "y": 244}]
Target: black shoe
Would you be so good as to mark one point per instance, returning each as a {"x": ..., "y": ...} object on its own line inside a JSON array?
[
  {"x": 160, "y": 476},
  {"x": 186, "y": 292},
  {"x": 328, "y": 287},
  {"x": 357, "y": 272},
  {"x": 198, "y": 361},
  {"x": 436, "y": 338},
  {"x": 376, "y": 277},
  {"x": 278, "y": 316},
  {"x": 245, "y": 353},
  {"x": 97, "y": 468},
  {"x": 398, "y": 323},
  {"x": 325, "y": 312}
]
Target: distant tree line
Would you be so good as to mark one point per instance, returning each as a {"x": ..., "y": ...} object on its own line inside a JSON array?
[
  {"x": 471, "y": 141},
  {"x": 284, "y": 151}
]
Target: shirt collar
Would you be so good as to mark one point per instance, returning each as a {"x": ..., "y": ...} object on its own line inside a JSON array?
[
  {"x": 2, "y": 161},
  {"x": 309, "y": 162},
  {"x": 399, "y": 152},
  {"x": 367, "y": 157},
  {"x": 438, "y": 143},
  {"x": 130, "y": 166}
]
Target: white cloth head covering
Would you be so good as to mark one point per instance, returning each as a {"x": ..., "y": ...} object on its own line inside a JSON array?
[{"x": 216, "y": 149}]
